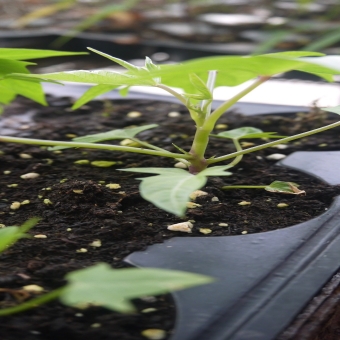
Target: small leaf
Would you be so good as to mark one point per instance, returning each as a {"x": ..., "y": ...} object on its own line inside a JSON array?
[
  {"x": 200, "y": 86},
  {"x": 10, "y": 235},
  {"x": 109, "y": 135},
  {"x": 114, "y": 288},
  {"x": 284, "y": 188},
  {"x": 93, "y": 92},
  {"x": 124, "y": 91},
  {"x": 246, "y": 132},
  {"x": 149, "y": 65}
]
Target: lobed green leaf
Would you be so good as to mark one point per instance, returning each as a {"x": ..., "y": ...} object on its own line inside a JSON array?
[
  {"x": 246, "y": 132},
  {"x": 171, "y": 189},
  {"x": 101, "y": 285},
  {"x": 26, "y": 54}
]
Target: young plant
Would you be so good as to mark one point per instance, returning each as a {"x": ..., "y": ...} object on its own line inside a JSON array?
[
  {"x": 100, "y": 285},
  {"x": 170, "y": 188}
]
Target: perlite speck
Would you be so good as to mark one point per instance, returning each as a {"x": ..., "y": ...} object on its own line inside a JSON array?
[
  {"x": 205, "y": 231},
  {"x": 15, "y": 205},
  {"x": 154, "y": 334},
  {"x": 40, "y": 236}
]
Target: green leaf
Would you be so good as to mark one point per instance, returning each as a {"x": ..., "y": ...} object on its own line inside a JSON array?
[
  {"x": 101, "y": 285},
  {"x": 92, "y": 77},
  {"x": 93, "y": 92},
  {"x": 6, "y": 95},
  {"x": 12, "y": 66},
  {"x": 121, "y": 62},
  {"x": 335, "y": 109},
  {"x": 9, "y": 235},
  {"x": 149, "y": 65},
  {"x": 246, "y": 132},
  {"x": 27, "y": 89},
  {"x": 109, "y": 135},
  {"x": 325, "y": 40},
  {"x": 284, "y": 188},
  {"x": 232, "y": 70},
  {"x": 26, "y": 54},
  {"x": 200, "y": 86},
  {"x": 171, "y": 189}
]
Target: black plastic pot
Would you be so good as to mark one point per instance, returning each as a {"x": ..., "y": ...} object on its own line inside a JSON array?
[{"x": 263, "y": 280}]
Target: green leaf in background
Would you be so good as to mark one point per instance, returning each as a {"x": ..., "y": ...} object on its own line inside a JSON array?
[
  {"x": 232, "y": 70},
  {"x": 101, "y": 285},
  {"x": 171, "y": 189},
  {"x": 10, "y": 88},
  {"x": 92, "y": 93},
  {"x": 11, "y": 62},
  {"x": 325, "y": 40},
  {"x": 246, "y": 132},
  {"x": 29, "y": 90},
  {"x": 27, "y": 54},
  {"x": 109, "y": 135},
  {"x": 10, "y": 235}
]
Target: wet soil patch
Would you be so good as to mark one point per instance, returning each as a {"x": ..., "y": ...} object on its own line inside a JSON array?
[{"x": 76, "y": 207}]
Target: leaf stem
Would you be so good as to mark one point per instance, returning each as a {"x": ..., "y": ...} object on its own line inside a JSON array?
[
  {"x": 94, "y": 146},
  {"x": 267, "y": 145},
  {"x": 244, "y": 187},
  {"x": 217, "y": 113},
  {"x": 173, "y": 92},
  {"x": 32, "y": 303}
]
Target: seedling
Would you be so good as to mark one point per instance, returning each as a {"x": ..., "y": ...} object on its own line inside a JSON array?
[
  {"x": 101, "y": 285},
  {"x": 170, "y": 188}
]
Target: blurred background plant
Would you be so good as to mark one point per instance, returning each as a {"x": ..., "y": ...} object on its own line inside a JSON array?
[{"x": 255, "y": 27}]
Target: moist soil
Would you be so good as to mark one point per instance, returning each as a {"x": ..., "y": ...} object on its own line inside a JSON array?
[{"x": 83, "y": 209}]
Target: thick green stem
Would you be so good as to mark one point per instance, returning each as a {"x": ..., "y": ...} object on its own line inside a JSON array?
[
  {"x": 201, "y": 138},
  {"x": 267, "y": 145},
  {"x": 94, "y": 146},
  {"x": 199, "y": 145},
  {"x": 32, "y": 303}
]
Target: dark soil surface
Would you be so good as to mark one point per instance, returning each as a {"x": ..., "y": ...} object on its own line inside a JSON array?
[{"x": 83, "y": 209}]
